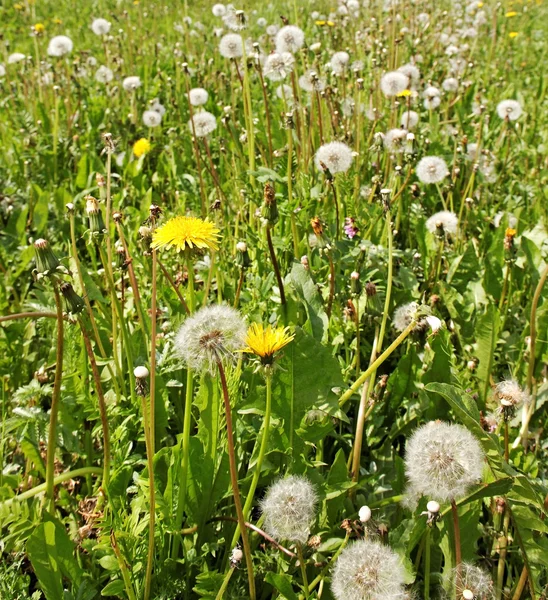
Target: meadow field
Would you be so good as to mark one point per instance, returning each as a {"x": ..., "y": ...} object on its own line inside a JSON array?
[{"x": 274, "y": 311}]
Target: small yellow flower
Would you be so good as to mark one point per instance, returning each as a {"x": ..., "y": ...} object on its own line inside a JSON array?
[
  {"x": 512, "y": 13},
  {"x": 18, "y": 6},
  {"x": 404, "y": 93},
  {"x": 331, "y": 23},
  {"x": 39, "y": 28},
  {"x": 480, "y": 4},
  {"x": 186, "y": 232},
  {"x": 266, "y": 342},
  {"x": 513, "y": 34},
  {"x": 510, "y": 232},
  {"x": 321, "y": 22},
  {"x": 141, "y": 147}
]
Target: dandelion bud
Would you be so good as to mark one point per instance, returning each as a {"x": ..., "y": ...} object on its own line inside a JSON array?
[
  {"x": 145, "y": 238},
  {"x": 74, "y": 302},
  {"x": 96, "y": 223},
  {"x": 385, "y": 198},
  {"x": 471, "y": 365},
  {"x": 108, "y": 141},
  {"x": 289, "y": 508},
  {"x": 355, "y": 285},
  {"x": 141, "y": 375},
  {"x": 243, "y": 259},
  {"x": 364, "y": 514},
  {"x": 235, "y": 557},
  {"x": 269, "y": 210},
  {"x": 46, "y": 261},
  {"x": 70, "y": 207},
  {"x": 304, "y": 262}
]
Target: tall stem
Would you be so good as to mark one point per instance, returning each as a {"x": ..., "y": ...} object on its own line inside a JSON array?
[
  {"x": 275, "y": 265},
  {"x": 234, "y": 481},
  {"x": 389, "y": 281},
  {"x": 303, "y": 570},
  {"x": 427, "y": 564},
  {"x": 262, "y": 451},
  {"x": 55, "y": 398},
  {"x": 456, "y": 529}
]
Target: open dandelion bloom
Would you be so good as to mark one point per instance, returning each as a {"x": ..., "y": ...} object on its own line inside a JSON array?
[
  {"x": 141, "y": 147},
  {"x": 265, "y": 343},
  {"x": 186, "y": 232}
]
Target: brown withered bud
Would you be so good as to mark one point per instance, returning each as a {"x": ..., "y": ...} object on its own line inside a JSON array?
[
  {"x": 314, "y": 542},
  {"x": 509, "y": 236},
  {"x": 434, "y": 299},
  {"x": 383, "y": 380},
  {"x": 269, "y": 209},
  {"x": 316, "y": 226},
  {"x": 370, "y": 289},
  {"x": 109, "y": 142},
  {"x": 347, "y": 526},
  {"x": 285, "y": 20},
  {"x": 349, "y": 310},
  {"x": 500, "y": 504},
  {"x": 100, "y": 179}
]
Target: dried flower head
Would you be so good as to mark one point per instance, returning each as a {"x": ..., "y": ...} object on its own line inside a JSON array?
[
  {"x": 443, "y": 460},
  {"x": 510, "y": 393},
  {"x": 509, "y": 109},
  {"x": 202, "y": 123},
  {"x": 186, "y": 233},
  {"x": 289, "y": 507},
  {"x": 266, "y": 342},
  {"x": 443, "y": 223},
  {"x": 60, "y": 45},
  {"x": 368, "y": 570},
  {"x": 212, "y": 334},
  {"x": 337, "y": 157},
  {"x": 432, "y": 169},
  {"x": 289, "y": 39}
]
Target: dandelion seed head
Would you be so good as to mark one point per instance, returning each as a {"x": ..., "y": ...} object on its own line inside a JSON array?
[
  {"x": 337, "y": 156},
  {"x": 432, "y": 169},
  {"x": 403, "y": 315},
  {"x": 289, "y": 39},
  {"x": 289, "y": 508},
  {"x": 339, "y": 62},
  {"x": 443, "y": 461},
  {"x": 131, "y": 83},
  {"x": 509, "y": 109},
  {"x": 100, "y": 26},
  {"x": 444, "y": 221},
  {"x": 152, "y": 118},
  {"x": 231, "y": 45},
  {"x": 431, "y": 97},
  {"x": 212, "y": 334},
  {"x": 412, "y": 72},
  {"x": 394, "y": 82},
  {"x": 394, "y": 140},
  {"x": 104, "y": 74},
  {"x": 218, "y": 10},
  {"x": 198, "y": 96},
  {"x": 409, "y": 120},
  {"x": 471, "y": 583},
  {"x": 202, "y": 123},
  {"x": 368, "y": 570},
  {"x": 278, "y": 65},
  {"x": 510, "y": 394},
  {"x": 310, "y": 82},
  {"x": 60, "y": 45},
  {"x": 451, "y": 84},
  {"x": 16, "y": 57}
]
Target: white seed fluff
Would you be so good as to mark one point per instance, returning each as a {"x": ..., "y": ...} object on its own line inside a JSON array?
[
  {"x": 473, "y": 582},
  {"x": 278, "y": 65},
  {"x": 403, "y": 315},
  {"x": 336, "y": 156},
  {"x": 393, "y": 83},
  {"x": 445, "y": 221},
  {"x": 131, "y": 83},
  {"x": 60, "y": 45},
  {"x": 289, "y": 508},
  {"x": 368, "y": 570},
  {"x": 412, "y": 73},
  {"x": 104, "y": 74},
  {"x": 231, "y": 45},
  {"x": 510, "y": 393},
  {"x": 509, "y": 109},
  {"x": 443, "y": 461},
  {"x": 394, "y": 140},
  {"x": 409, "y": 120},
  {"x": 15, "y": 58},
  {"x": 432, "y": 169},
  {"x": 100, "y": 26},
  {"x": 289, "y": 39},
  {"x": 211, "y": 334},
  {"x": 451, "y": 84},
  {"x": 310, "y": 82},
  {"x": 431, "y": 97},
  {"x": 152, "y": 118},
  {"x": 218, "y": 10},
  {"x": 339, "y": 62},
  {"x": 202, "y": 123},
  {"x": 198, "y": 96}
]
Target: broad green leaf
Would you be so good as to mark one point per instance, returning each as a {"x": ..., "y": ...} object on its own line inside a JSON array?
[
  {"x": 487, "y": 330},
  {"x": 283, "y": 583},
  {"x": 114, "y": 588}
]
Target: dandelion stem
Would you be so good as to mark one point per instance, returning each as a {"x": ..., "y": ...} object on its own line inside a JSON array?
[
  {"x": 325, "y": 570},
  {"x": 388, "y": 297},
  {"x": 362, "y": 378},
  {"x": 427, "y": 564},
  {"x": 55, "y": 399},
  {"x": 521, "y": 584},
  {"x": 456, "y": 529},
  {"x": 302, "y": 564},
  {"x": 234, "y": 482},
  {"x": 503, "y": 550},
  {"x": 275, "y": 265},
  {"x": 28, "y": 315},
  {"x": 123, "y": 567},
  {"x": 173, "y": 285}
]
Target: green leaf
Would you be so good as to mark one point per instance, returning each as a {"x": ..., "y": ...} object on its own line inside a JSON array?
[
  {"x": 50, "y": 552},
  {"x": 31, "y": 452},
  {"x": 487, "y": 330},
  {"x": 114, "y": 588},
  {"x": 282, "y": 583}
]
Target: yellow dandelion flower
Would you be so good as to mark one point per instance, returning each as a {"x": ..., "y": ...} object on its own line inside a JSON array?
[
  {"x": 331, "y": 23},
  {"x": 511, "y": 13},
  {"x": 39, "y": 28},
  {"x": 510, "y": 232},
  {"x": 266, "y": 342},
  {"x": 18, "y": 6},
  {"x": 321, "y": 22},
  {"x": 404, "y": 93},
  {"x": 141, "y": 147},
  {"x": 186, "y": 232},
  {"x": 513, "y": 34},
  {"x": 480, "y": 4}
]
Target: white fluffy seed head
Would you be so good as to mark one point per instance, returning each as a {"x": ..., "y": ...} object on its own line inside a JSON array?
[
  {"x": 310, "y": 82},
  {"x": 198, "y": 96},
  {"x": 60, "y": 45},
  {"x": 141, "y": 372},
  {"x": 509, "y": 109},
  {"x": 394, "y": 140},
  {"x": 15, "y": 57},
  {"x": 336, "y": 156},
  {"x": 509, "y": 393},
  {"x": 472, "y": 583},
  {"x": 202, "y": 123},
  {"x": 231, "y": 45},
  {"x": 278, "y": 65},
  {"x": 339, "y": 62},
  {"x": 444, "y": 221},
  {"x": 100, "y": 26},
  {"x": 214, "y": 333},
  {"x": 443, "y": 461},
  {"x": 412, "y": 73},
  {"x": 289, "y": 39},
  {"x": 368, "y": 570},
  {"x": 432, "y": 169},
  {"x": 409, "y": 120},
  {"x": 104, "y": 74},
  {"x": 131, "y": 83},
  {"x": 404, "y": 314},
  {"x": 218, "y": 10},
  {"x": 451, "y": 84},
  {"x": 289, "y": 508},
  {"x": 152, "y": 118},
  {"x": 431, "y": 97},
  {"x": 394, "y": 82}
]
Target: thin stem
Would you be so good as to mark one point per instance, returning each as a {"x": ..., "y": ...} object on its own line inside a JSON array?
[
  {"x": 302, "y": 564},
  {"x": 221, "y": 593},
  {"x": 331, "y": 284},
  {"x": 317, "y": 580},
  {"x": 262, "y": 451},
  {"x": 389, "y": 280},
  {"x": 503, "y": 550},
  {"x": 361, "y": 379},
  {"x": 427, "y": 564},
  {"x": 275, "y": 265},
  {"x": 456, "y": 529},
  {"x": 123, "y": 567},
  {"x": 234, "y": 482},
  {"x": 239, "y": 288},
  {"x": 173, "y": 285},
  {"x": 55, "y": 399},
  {"x": 521, "y": 584},
  {"x": 28, "y": 315}
]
